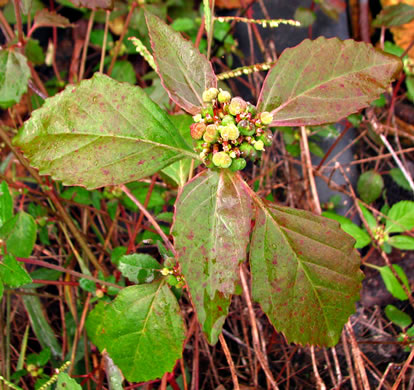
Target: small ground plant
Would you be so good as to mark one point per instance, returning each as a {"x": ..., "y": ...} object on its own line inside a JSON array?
[{"x": 304, "y": 268}]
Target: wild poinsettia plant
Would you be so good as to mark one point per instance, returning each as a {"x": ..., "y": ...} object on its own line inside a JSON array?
[{"x": 304, "y": 269}]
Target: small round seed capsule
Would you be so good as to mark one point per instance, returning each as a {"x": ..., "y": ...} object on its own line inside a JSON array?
[
  {"x": 259, "y": 145},
  {"x": 238, "y": 164},
  {"x": 246, "y": 128},
  {"x": 267, "y": 138},
  {"x": 211, "y": 134},
  {"x": 247, "y": 151},
  {"x": 210, "y": 94},
  {"x": 222, "y": 160},
  {"x": 224, "y": 97},
  {"x": 237, "y": 106},
  {"x": 227, "y": 120},
  {"x": 266, "y": 118},
  {"x": 197, "y": 130},
  {"x": 229, "y": 132}
]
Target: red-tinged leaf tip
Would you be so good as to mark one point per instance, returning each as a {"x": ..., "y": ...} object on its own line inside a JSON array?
[
  {"x": 211, "y": 232},
  {"x": 325, "y": 80},
  {"x": 185, "y": 73},
  {"x": 306, "y": 281}
]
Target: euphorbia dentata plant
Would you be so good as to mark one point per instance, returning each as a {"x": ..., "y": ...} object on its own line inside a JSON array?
[{"x": 304, "y": 269}]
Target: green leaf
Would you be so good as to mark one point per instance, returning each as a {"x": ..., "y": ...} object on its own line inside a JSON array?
[
  {"x": 65, "y": 382},
  {"x": 397, "y": 175},
  {"x": 325, "y": 80},
  {"x": 361, "y": 237},
  {"x": 397, "y": 316},
  {"x": 139, "y": 267},
  {"x": 183, "y": 24},
  {"x": 6, "y": 203},
  {"x": 40, "y": 326},
  {"x": 305, "y": 273},
  {"x": 402, "y": 242},
  {"x": 400, "y": 217},
  {"x": 305, "y": 16},
  {"x": 97, "y": 38},
  {"x": 142, "y": 331},
  {"x": 179, "y": 171},
  {"x": 14, "y": 77},
  {"x": 1, "y": 289},
  {"x": 211, "y": 233},
  {"x": 19, "y": 233},
  {"x": 124, "y": 71},
  {"x": 371, "y": 221},
  {"x": 99, "y": 133},
  {"x": 394, "y": 15},
  {"x": 391, "y": 282},
  {"x": 12, "y": 273},
  {"x": 370, "y": 186},
  {"x": 34, "y": 52},
  {"x": 185, "y": 73},
  {"x": 46, "y": 18}
]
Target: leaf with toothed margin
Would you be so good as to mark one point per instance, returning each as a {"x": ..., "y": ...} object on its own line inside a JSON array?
[
  {"x": 305, "y": 273},
  {"x": 211, "y": 232},
  {"x": 325, "y": 80},
  {"x": 184, "y": 72},
  {"x": 101, "y": 132},
  {"x": 142, "y": 330}
]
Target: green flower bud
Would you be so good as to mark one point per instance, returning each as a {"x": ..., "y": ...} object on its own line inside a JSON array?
[
  {"x": 251, "y": 109},
  {"x": 211, "y": 134},
  {"x": 198, "y": 145},
  {"x": 210, "y": 94},
  {"x": 229, "y": 132},
  {"x": 237, "y": 106},
  {"x": 224, "y": 97},
  {"x": 246, "y": 127},
  {"x": 222, "y": 160},
  {"x": 259, "y": 145},
  {"x": 207, "y": 110},
  {"x": 227, "y": 120},
  {"x": 238, "y": 164},
  {"x": 197, "y": 130},
  {"x": 266, "y": 118},
  {"x": 197, "y": 118},
  {"x": 248, "y": 151}
]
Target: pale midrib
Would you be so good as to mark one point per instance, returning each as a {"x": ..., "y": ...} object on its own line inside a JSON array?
[
  {"x": 135, "y": 140},
  {"x": 299, "y": 261},
  {"x": 303, "y": 94}
]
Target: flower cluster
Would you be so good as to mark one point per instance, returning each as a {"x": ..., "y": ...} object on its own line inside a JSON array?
[{"x": 228, "y": 131}]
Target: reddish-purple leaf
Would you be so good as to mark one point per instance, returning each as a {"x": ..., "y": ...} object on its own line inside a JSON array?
[
  {"x": 394, "y": 15},
  {"x": 305, "y": 273},
  {"x": 94, "y": 4},
  {"x": 325, "y": 80},
  {"x": 211, "y": 232},
  {"x": 101, "y": 132},
  {"x": 46, "y": 18},
  {"x": 184, "y": 72}
]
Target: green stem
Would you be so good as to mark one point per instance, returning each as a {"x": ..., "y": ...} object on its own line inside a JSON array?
[{"x": 101, "y": 66}]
